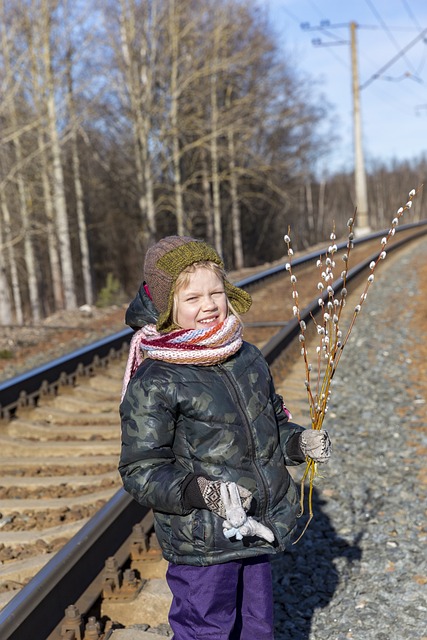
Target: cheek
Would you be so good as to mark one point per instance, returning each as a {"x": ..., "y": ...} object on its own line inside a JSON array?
[{"x": 185, "y": 317}]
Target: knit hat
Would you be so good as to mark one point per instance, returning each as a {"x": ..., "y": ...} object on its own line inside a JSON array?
[{"x": 166, "y": 260}]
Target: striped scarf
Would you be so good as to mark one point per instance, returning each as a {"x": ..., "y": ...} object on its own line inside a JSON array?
[{"x": 185, "y": 346}]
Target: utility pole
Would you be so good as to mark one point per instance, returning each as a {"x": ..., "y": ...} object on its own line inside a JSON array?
[{"x": 362, "y": 220}]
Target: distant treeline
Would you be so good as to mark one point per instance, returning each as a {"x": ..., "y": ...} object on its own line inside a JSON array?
[{"x": 124, "y": 120}]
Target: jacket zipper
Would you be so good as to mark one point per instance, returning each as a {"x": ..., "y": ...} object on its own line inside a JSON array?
[{"x": 246, "y": 422}]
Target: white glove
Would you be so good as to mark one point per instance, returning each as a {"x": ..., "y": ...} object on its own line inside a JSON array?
[
  {"x": 316, "y": 444},
  {"x": 237, "y": 523}
]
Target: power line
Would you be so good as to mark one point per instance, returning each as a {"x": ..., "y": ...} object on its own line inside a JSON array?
[
  {"x": 393, "y": 60},
  {"x": 325, "y": 26},
  {"x": 410, "y": 14},
  {"x": 388, "y": 32},
  {"x": 418, "y": 26}
]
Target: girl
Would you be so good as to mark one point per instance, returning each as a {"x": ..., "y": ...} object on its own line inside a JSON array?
[{"x": 205, "y": 444}]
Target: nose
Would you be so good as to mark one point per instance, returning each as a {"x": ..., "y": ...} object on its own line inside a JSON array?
[{"x": 209, "y": 303}]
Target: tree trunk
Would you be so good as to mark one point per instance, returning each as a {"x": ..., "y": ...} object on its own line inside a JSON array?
[
  {"x": 139, "y": 82},
  {"x": 22, "y": 192},
  {"x": 6, "y": 243},
  {"x": 58, "y": 176},
  {"x": 78, "y": 190},
  {"x": 216, "y": 197},
  {"x": 235, "y": 206},
  {"x": 207, "y": 201},
  {"x": 174, "y": 36},
  {"x": 51, "y": 239},
  {"x": 321, "y": 216},
  {"x": 52, "y": 243},
  {"x": 5, "y": 306}
]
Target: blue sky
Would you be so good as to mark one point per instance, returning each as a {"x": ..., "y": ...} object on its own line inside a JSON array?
[{"x": 393, "y": 105}]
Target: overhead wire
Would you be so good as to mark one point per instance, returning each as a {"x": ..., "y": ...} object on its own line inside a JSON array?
[
  {"x": 411, "y": 14},
  {"x": 396, "y": 100},
  {"x": 391, "y": 38},
  {"x": 420, "y": 28},
  {"x": 400, "y": 54}
]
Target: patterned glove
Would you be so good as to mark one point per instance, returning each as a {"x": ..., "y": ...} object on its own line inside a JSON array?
[
  {"x": 217, "y": 498},
  {"x": 316, "y": 444},
  {"x": 236, "y": 514}
]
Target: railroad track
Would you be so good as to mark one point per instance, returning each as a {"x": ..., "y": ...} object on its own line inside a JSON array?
[{"x": 60, "y": 442}]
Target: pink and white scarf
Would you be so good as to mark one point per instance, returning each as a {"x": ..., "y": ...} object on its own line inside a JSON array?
[{"x": 203, "y": 347}]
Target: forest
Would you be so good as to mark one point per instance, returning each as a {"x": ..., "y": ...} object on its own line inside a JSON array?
[{"x": 125, "y": 120}]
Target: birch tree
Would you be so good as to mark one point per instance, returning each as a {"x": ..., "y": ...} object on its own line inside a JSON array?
[
  {"x": 19, "y": 178},
  {"x": 45, "y": 167},
  {"x": 139, "y": 41},
  {"x": 59, "y": 200},
  {"x": 5, "y": 304},
  {"x": 78, "y": 189},
  {"x": 7, "y": 252}
]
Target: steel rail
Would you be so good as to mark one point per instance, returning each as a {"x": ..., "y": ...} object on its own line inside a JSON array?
[
  {"x": 39, "y": 607},
  {"x": 257, "y": 278},
  {"x": 25, "y": 389},
  {"x": 283, "y": 338}
]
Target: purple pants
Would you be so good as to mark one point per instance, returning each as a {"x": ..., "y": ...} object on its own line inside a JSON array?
[{"x": 230, "y": 601}]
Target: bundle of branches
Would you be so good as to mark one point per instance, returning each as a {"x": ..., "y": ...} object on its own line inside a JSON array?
[{"x": 331, "y": 338}]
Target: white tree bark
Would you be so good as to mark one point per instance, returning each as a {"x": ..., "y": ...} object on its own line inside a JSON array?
[
  {"x": 174, "y": 26},
  {"x": 7, "y": 248},
  {"x": 207, "y": 201},
  {"x": 216, "y": 197},
  {"x": 139, "y": 86},
  {"x": 45, "y": 171},
  {"x": 52, "y": 243},
  {"x": 22, "y": 191},
  {"x": 78, "y": 189},
  {"x": 235, "y": 206},
  {"x": 5, "y": 306},
  {"x": 58, "y": 176}
]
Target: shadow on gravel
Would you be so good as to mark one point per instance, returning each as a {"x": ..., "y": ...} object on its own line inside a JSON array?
[{"x": 305, "y": 577}]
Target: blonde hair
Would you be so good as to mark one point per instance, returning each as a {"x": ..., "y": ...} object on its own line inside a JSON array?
[{"x": 184, "y": 278}]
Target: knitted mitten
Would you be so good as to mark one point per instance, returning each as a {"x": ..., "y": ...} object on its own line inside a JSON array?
[
  {"x": 316, "y": 444},
  {"x": 216, "y": 499}
]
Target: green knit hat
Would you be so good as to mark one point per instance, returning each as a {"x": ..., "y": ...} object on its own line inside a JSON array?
[{"x": 164, "y": 262}]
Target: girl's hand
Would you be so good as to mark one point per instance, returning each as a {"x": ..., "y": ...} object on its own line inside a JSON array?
[
  {"x": 217, "y": 496},
  {"x": 316, "y": 444}
]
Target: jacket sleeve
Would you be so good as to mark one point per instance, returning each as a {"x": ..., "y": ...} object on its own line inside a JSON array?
[
  {"x": 148, "y": 467},
  {"x": 289, "y": 433}
]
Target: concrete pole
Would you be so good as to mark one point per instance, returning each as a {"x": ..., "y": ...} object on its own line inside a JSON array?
[{"x": 362, "y": 220}]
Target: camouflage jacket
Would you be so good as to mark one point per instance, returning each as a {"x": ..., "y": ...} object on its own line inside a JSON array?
[{"x": 224, "y": 422}]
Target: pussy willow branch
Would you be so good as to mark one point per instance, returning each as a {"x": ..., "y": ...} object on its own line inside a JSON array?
[{"x": 331, "y": 341}]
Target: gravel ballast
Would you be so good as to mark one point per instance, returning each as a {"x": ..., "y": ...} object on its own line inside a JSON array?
[{"x": 360, "y": 569}]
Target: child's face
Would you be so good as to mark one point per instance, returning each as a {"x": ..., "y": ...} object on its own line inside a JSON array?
[{"x": 202, "y": 302}]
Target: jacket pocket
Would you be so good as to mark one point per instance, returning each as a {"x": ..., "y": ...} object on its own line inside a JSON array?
[{"x": 186, "y": 533}]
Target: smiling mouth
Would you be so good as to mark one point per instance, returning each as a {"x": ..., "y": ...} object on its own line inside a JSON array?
[{"x": 209, "y": 320}]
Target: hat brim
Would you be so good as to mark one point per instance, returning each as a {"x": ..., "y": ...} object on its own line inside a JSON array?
[{"x": 240, "y": 299}]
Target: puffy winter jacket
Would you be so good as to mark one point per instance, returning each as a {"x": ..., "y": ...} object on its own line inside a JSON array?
[{"x": 224, "y": 422}]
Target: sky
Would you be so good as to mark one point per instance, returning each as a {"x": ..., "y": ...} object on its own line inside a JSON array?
[{"x": 392, "y": 69}]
